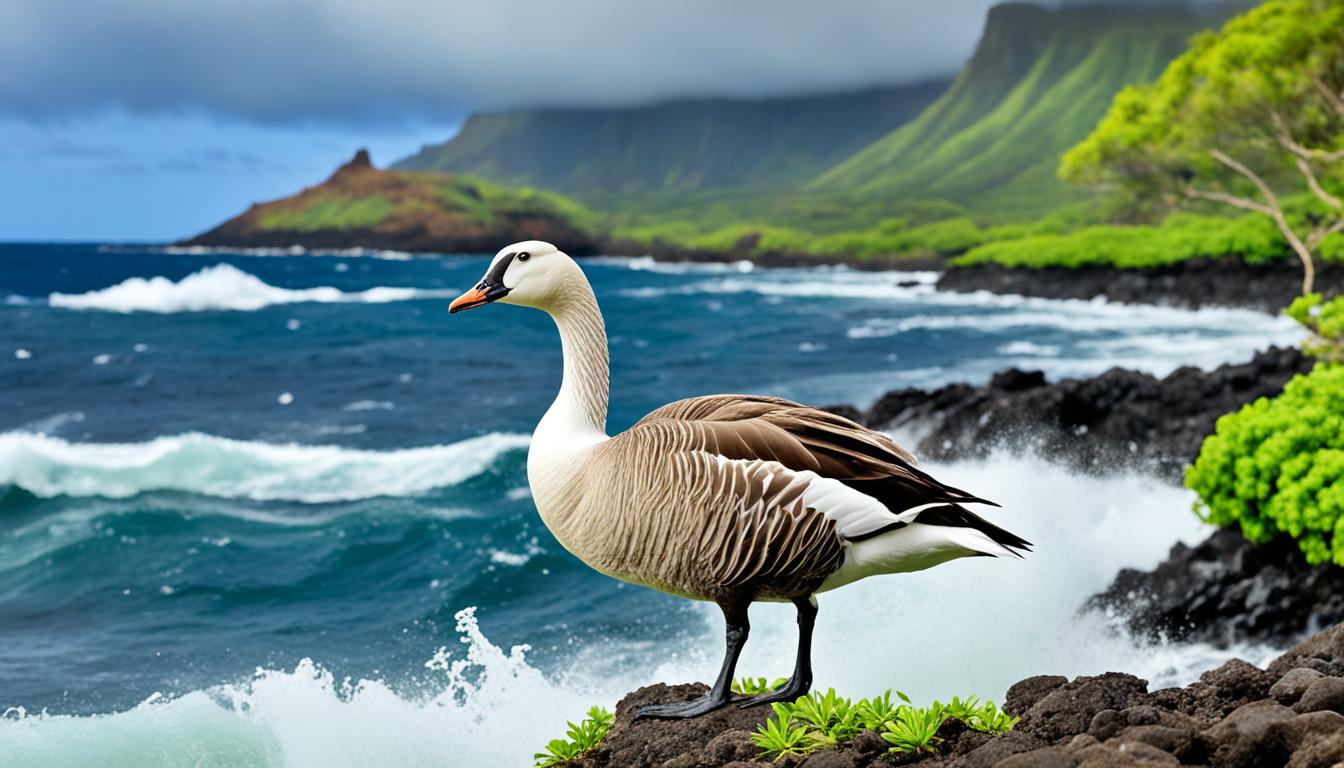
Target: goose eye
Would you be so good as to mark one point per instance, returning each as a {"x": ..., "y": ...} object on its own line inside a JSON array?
[{"x": 524, "y": 256}]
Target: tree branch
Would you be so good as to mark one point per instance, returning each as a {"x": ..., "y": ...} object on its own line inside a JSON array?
[
  {"x": 1255, "y": 179},
  {"x": 1334, "y": 99},
  {"x": 1323, "y": 232},
  {"x": 1275, "y": 211},
  {"x": 1223, "y": 197},
  {"x": 1315, "y": 186},
  {"x": 1286, "y": 139}
]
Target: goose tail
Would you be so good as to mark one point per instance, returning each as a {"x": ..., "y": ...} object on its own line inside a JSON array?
[{"x": 975, "y": 533}]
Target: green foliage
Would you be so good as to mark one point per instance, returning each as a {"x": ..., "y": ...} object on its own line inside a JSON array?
[
  {"x": 913, "y": 729},
  {"x": 982, "y": 716},
  {"x": 754, "y": 686},
  {"x": 1266, "y": 73},
  {"x": 779, "y": 738},
  {"x": 827, "y": 720},
  {"x": 1277, "y": 465},
  {"x": 1038, "y": 83},
  {"x": 1252, "y": 238},
  {"x": 582, "y": 737},
  {"x": 682, "y": 146},
  {"x": 1325, "y": 320},
  {"x": 331, "y": 213}
]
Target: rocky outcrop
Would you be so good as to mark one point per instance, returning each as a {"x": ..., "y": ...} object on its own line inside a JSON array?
[
  {"x": 1227, "y": 589},
  {"x": 1290, "y": 715},
  {"x": 1221, "y": 591},
  {"x": 360, "y": 206},
  {"x": 1198, "y": 283},
  {"x": 1118, "y": 420}
]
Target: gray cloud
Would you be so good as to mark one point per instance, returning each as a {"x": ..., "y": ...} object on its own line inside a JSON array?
[{"x": 365, "y": 63}]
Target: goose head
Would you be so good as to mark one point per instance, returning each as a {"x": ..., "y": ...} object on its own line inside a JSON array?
[{"x": 529, "y": 274}]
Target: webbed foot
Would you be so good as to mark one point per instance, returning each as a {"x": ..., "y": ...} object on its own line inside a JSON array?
[
  {"x": 788, "y": 693},
  {"x": 682, "y": 710}
]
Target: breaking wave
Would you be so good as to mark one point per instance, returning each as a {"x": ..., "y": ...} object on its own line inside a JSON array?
[
  {"x": 235, "y": 469},
  {"x": 969, "y": 627},
  {"x": 222, "y": 287}
]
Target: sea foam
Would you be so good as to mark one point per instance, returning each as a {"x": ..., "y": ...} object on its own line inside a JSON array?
[
  {"x": 237, "y": 469},
  {"x": 968, "y": 627},
  {"x": 222, "y": 287}
]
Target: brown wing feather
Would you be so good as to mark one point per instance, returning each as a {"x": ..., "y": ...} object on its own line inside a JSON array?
[{"x": 800, "y": 437}]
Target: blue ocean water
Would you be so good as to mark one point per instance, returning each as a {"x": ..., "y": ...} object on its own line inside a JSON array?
[{"x": 246, "y": 497}]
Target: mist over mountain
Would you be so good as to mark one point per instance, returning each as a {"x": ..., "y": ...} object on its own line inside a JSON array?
[
  {"x": 1039, "y": 80},
  {"x": 679, "y": 145}
]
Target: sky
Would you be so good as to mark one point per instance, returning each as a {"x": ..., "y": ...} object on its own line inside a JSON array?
[{"x": 151, "y": 120}]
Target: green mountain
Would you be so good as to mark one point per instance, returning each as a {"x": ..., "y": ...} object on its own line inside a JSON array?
[
  {"x": 682, "y": 146},
  {"x": 362, "y": 206},
  {"x": 1039, "y": 81}
]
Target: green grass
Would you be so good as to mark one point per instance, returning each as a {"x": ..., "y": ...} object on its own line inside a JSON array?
[
  {"x": 581, "y": 738},
  {"x": 334, "y": 213}
]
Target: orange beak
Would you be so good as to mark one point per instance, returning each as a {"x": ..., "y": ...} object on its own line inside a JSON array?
[{"x": 474, "y": 298}]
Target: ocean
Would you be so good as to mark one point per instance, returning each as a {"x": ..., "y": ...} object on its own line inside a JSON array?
[{"x": 271, "y": 507}]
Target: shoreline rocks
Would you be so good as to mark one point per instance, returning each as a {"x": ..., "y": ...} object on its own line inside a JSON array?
[
  {"x": 1290, "y": 715},
  {"x": 1221, "y": 591},
  {"x": 1121, "y": 419},
  {"x": 1191, "y": 284},
  {"x": 1226, "y": 590}
]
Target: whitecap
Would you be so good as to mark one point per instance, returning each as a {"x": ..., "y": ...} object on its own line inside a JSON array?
[
  {"x": 237, "y": 469},
  {"x": 1028, "y": 348},
  {"x": 385, "y": 254},
  {"x": 222, "y": 287},
  {"x": 369, "y": 405}
]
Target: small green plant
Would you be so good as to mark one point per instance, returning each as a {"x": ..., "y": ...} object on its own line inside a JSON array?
[
  {"x": 828, "y": 720},
  {"x": 754, "y": 686},
  {"x": 991, "y": 719},
  {"x": 982, "y": 716},
  {"x": 584, "y": 736},
  {"x": 778, "y": 738},
  {"x": 875, "y": 712},
  {"x": 914, "y": 730}
]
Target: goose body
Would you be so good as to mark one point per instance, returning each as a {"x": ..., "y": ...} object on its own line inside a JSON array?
[{"x": 726, "y": 498}]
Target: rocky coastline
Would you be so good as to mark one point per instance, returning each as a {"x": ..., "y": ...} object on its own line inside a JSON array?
[
  {"x": 1224, "y": 590},
  {"x": 1119, "y": 420},
  {"x": 1192, "y": 284},
  {"x": 1290, "y": 715}
]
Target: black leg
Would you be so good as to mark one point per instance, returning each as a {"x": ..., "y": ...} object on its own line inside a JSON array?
[
  {"x": 735, "y": 616},
  {"x": 801, "y": 682}
]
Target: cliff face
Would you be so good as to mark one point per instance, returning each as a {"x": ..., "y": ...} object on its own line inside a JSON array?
[
  {"x": 1039, "y": 80},
  {"x": 362, "y": 206},
  {"x": 684, "y": 145}
]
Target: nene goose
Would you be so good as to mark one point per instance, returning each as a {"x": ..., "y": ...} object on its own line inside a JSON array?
[{"x": 727, "y": 498}]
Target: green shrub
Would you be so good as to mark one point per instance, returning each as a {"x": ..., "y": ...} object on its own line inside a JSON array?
[
  {"x": 1325, "y": 320},
  {"x": 583, "y": 737},
  {"x": 1252, "y": 238},
  {"x": 1277, "y": 465}
]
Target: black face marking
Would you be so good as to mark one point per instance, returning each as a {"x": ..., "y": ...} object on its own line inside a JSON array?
[{"x": 494, "y": 279}]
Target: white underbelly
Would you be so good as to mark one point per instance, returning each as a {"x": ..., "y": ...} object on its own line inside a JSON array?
[{"x": 914, "y": 547}]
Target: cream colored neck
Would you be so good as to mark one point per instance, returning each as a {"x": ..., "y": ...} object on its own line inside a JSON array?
[{"x": 578, "y": 417}]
